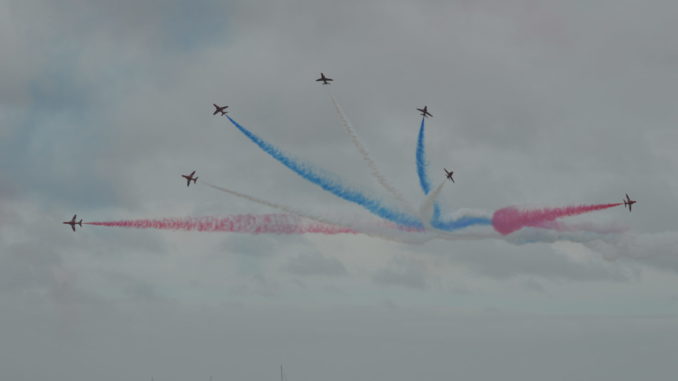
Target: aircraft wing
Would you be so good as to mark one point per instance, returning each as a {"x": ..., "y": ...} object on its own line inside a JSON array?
[{"x": 73, "y": 227}]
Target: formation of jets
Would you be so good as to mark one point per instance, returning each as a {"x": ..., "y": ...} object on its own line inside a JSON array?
[
  {"x": 73, "y": 223},
  {"x": 190, "y": 178},
  {"x": 325, "y": 81},
  {"x": 219, "y": 109}
]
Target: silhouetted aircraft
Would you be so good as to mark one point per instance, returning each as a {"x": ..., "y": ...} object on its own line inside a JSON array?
[
  {"x": 448, "y": 174},
  {"x": 324, "y": 79},
  {"x": 628, "y": 202},
  {"x": 424, "y": 112},
  {"x": 190, "y": 178},
  {"x": 73, "y": 223},
  {"x": 219, "y": 109}
]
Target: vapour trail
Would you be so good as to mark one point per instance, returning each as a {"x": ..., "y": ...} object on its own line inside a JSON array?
[
  {"x": 333, "y": 186},
  {"x": 508, "y": 220},
  {"x": 376, "y": 173},
  {"x": 243, "y": 223}
]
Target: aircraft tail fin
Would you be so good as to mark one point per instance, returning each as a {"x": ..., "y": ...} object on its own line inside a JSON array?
[
  {"x": 195, "y": 179},
  {"x": 80, "y": 223}
]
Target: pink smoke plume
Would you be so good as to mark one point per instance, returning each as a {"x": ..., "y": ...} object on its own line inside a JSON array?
[
  {"x": 246, "y": 223},
  {"x": 508, "y": 220}
]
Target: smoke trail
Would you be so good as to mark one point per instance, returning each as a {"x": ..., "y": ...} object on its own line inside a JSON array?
[
  {"x": 422, "y": 167},
  {"x": 460, "y": 223},
  {"x": 508, "y": 220},
  {"x": 333, "y": 186},
  {"x": 379, "y": 229},
  {"x": 421, "y": 159},
  {"x": 348, "y": 127},
  {"x": 269, "y": 204},
  {"x": 244, "y": 223},
  {"x": 427, "y": 211}
]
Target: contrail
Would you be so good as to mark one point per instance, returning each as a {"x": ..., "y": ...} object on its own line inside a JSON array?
[
  {"x": 333, "y": 186},
  {"x": 376, "y": 173},
  {"x": 243, "y": 223},
  {"x": 508, "y": 220}
]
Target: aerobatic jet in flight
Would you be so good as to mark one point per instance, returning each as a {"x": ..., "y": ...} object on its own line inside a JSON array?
[
  {"x": 73, "y": 223},
  {"x": 448, "y": 174},
  {"x": 424, "y": 112},
  {"x": 324, "y": 79},
  {"x": 190, "y": 178},
  {"x": 219, "y": 109},
  {"x": 628, "y": 202}
]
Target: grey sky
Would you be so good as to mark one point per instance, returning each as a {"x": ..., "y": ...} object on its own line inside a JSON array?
[{"x": 103, "y": 104}]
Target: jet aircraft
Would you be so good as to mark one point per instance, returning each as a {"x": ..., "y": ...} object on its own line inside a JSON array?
[
  {"x": 424, "y": 112},
  {"x": 449, "y": 174},
  {"x": 73, "y": 223},
  {"x": 324, "y": 79},
  {"x": 190, "y": 178},
  {"x": 628, "y": 202},
  {"x": 219, "y": 109}
]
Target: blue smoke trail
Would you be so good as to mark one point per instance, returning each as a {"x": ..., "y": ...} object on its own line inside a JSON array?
[
  {"x": 307, "y": 172},
  {"x": 460, "y": 223},
  {"x": 422, "y": 167},
  {"x": 422, "y": 172},
  {"x": 421, "y": 160}
]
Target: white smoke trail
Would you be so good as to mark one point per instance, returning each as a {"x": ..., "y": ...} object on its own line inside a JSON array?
[
  {"x": 426, "y": 209},
  {"x": 377, "y": 229},
  {"x": 271, "y": 204},
  {"x": 376, "y": 173}
]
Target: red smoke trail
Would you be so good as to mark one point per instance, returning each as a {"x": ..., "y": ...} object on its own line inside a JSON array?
[
  {"x": 508, "y": 220},
  {"x": 252, "y": 224}
]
